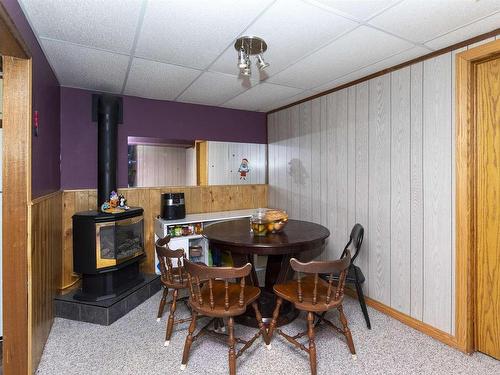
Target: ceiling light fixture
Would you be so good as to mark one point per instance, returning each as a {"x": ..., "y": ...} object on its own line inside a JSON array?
[{"x": 246, "y": 47}]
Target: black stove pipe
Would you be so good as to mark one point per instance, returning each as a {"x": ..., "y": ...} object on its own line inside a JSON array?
[{"x": 108, "y": 117}]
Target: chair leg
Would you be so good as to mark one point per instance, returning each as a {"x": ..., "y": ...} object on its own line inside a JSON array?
[
  {"x": 163, "y": 301},
  {"x": 274, "y": 321},
  {"x": 361, "y": 298},
  {"x": 189, "y": 340},
  {"x": 347, "y": 331},
  {"x": 231, "y": 341},
  {"x": 312, "y": 344},
  {"x": 170, "y": 323},
  {"x": 262, "y": 327}
]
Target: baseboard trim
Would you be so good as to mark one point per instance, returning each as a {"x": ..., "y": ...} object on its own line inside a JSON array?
[{"x": 429, "y": 330}]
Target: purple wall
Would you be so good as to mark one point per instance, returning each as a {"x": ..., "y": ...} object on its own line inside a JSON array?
[
  {"x": 46, "y": 174},
  {"x": 144, "y": 118}
]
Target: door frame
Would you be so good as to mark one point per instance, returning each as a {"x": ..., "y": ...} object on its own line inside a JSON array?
[
  {"x": 16, "y": 169},
  {"x": 466, "y": 195}
]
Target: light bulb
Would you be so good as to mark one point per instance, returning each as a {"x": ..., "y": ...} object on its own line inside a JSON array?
[
  {"x": 242, "y": 59},
  {"x": 261, "y": 64},
  {"x": 246, "y": 71}
]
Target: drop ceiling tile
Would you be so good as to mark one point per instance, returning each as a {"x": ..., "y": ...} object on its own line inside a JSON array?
[
  {"x": 422, "y": 21},
  {"x": 261, "y": 95},
  {"x": 374, "y": 68},
  {"x": 193, "y": 33},
  {"x": 359, "y": 9},
  {"x": 109, "y": 25},
  {"x": 83, "y": 67},
  {"x": 291, "y": 29},
  {"x": 361, "y": 47},
  {"x": 280, "y": 103},
  {"x": 477, "y": 28},
  {"x": 215, "y": 88},
  {"x": 155, "y": 80}
]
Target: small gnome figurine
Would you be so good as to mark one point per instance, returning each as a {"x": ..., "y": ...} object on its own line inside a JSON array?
[{"x": 244, "y": 169}]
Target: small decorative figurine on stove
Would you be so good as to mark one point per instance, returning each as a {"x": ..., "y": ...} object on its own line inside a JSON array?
[
  {"x": 113, "y": 199},
  {"x": 117, "y": 203},
  {"x": 123, "y": 202},
  {"x": 105, "y": 207},
  {"x": 244, "y": 169}
]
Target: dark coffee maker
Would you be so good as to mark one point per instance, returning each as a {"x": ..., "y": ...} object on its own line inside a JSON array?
[{"x": 172, "y": 206}]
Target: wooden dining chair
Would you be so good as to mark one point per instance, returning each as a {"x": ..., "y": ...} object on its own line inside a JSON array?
[
  {"x": 219, "y": 298},
  {"x": 173, "y": 277},
  {"x": 312, "y": 294}
]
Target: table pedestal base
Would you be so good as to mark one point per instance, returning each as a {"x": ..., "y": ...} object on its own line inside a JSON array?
[
  {"x": 278, "y": 270},
  {"x": 267, "y": 303}
]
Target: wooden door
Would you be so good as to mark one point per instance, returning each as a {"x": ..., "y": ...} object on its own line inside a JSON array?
[{"x": 487, "y": 326}]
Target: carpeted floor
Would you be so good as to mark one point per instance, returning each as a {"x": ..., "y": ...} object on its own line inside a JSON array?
[{"x": 134, "y": 345}]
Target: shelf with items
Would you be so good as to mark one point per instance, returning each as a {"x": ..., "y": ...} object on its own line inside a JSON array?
[
  {"x": 219, "y": 258},
  {"x": 191, "y": 230},
  {"x": 194, "y": 236},
  {"x": 198, "y": 250}
]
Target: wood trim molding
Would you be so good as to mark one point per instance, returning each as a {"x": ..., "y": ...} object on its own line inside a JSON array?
[
  {"x": 202, "y": 163},
  {"x": 11, "y": 43},
  {"x": 425, "y": 328},
  {"x": 45, "y": 197},
  {"x": 393, "y": 68},
  {"x": 466, "y": 168},
  {"x": 16, "y": 198},
  {"x": 162, "y": 188}
]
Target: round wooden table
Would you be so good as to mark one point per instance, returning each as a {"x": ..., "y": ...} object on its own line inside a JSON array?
[{"x": 297, "y": 237}]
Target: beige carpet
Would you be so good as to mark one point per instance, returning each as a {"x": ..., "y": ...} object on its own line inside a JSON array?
[{"x": 134, "y": 345}]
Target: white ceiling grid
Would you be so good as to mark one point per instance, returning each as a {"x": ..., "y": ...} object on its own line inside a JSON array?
[{"x": 182, "y": 50}]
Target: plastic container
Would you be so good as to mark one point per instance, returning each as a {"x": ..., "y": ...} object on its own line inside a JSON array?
[
  {"x": 265, "y": 221},
  {"x": 258, "y": 223}
]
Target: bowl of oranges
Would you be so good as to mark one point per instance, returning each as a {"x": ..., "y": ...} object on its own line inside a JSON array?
[{"x": 266, "y": 221}]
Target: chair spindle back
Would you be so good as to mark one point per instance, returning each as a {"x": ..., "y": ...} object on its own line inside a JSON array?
[
  {"x": 323, "y": 267},
  {"x": 169, "y": 273},
  {"x": 198, "y": 273}
]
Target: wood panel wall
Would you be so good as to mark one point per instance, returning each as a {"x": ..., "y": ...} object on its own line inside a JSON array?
[
  {"x": 199, "y": 199},
  {"x": 224, "y": 159},
  {"x": 45, "y": 268},
  {"x": 159, "y": 165},
  {"x": 380, "y": 153}
]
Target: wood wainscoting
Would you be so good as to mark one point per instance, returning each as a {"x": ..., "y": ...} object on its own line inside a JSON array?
[
  {"x": 45, "y": 269},
  {"x": 199, "y": 199}
]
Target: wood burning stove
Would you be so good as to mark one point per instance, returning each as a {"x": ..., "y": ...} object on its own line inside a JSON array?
[
  {"x": 119, "y": 240},
  {"x": 107, "y": 247},
  {"x": 106, "y": 251}
]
